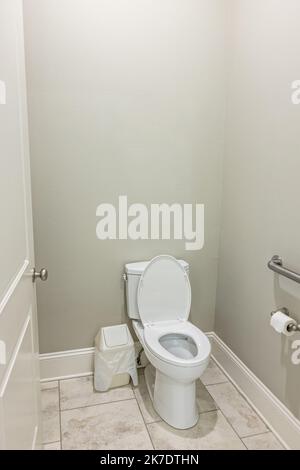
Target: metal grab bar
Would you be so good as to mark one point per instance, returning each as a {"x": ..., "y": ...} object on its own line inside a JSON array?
[{"x": 276, "y": 265}]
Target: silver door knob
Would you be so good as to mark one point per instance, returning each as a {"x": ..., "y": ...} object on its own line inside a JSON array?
[{"x": 42, "y": 275}]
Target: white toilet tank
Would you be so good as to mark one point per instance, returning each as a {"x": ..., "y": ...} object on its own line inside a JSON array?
[{"x": 133, "y": 272}]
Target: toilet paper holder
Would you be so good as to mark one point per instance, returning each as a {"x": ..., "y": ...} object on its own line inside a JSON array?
[{"x": 285, "y": 311}]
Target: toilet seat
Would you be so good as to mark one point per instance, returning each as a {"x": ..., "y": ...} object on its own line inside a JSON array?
[
  {"x": 164, "y": 291},
  {"x": 154, "y": 333},
  {"x": 164, "y": 302}
]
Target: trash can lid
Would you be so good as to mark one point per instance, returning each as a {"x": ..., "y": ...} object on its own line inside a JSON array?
[{"x": 115, "y": 336}]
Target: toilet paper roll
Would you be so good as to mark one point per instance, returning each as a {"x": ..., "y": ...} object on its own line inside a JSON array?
[{"x": 280, "y": 323}]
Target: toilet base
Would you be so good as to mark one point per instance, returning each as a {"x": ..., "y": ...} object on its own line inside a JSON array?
[{"x": 175, "y": 402}]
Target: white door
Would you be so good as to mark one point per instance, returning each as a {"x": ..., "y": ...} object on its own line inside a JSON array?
[{"x": 19, "y": 372}]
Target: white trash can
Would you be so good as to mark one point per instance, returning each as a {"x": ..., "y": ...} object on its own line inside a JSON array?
[{"x": 115, "y": 360}]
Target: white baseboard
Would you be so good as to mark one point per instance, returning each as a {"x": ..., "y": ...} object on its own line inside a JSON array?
[
  {"x": 70, "y": 364},
  {"x": 281, "y": 421},
  {"x": 276, "y": 415},
  {"x": 66, "y": 364}
]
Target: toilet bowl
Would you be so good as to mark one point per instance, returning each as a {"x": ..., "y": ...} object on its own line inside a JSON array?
[{"x": 178, "y": 351}]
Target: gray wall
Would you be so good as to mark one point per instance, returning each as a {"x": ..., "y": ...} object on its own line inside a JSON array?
[
  {"x": 261, "y": 215},
  {"x": 125, "y": 97}
]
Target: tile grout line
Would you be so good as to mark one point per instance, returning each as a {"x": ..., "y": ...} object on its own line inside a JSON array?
[
  {"x": 98, "y": 404},
  {"x": 244, "y": 396},
  {"x": 246, "y": 400},
  {"x": 235, "y": 432},
  {"x": 59, "y": 410},
  {"x": 59, "y": 440},
  {"x": 216, "y": 383},
  {"x": 207, "y": 412},
  {"x": 159, "y": 419},
  {"x": 225, "y": 417},
  {"x": 259, "y": 434},
  {"x": 48, "y": 443},
  {"x": 145, "y": 424},
  {"x": 213, "y": 400}
]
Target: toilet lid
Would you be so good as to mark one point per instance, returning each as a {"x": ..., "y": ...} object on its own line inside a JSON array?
[{"x": 164, "y": 291}]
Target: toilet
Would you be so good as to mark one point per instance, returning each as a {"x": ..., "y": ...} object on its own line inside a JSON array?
[{"x": 158, "y": 301}]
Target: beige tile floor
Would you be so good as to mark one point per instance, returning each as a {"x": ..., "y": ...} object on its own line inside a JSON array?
[{"x": 76, "y": 417}]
